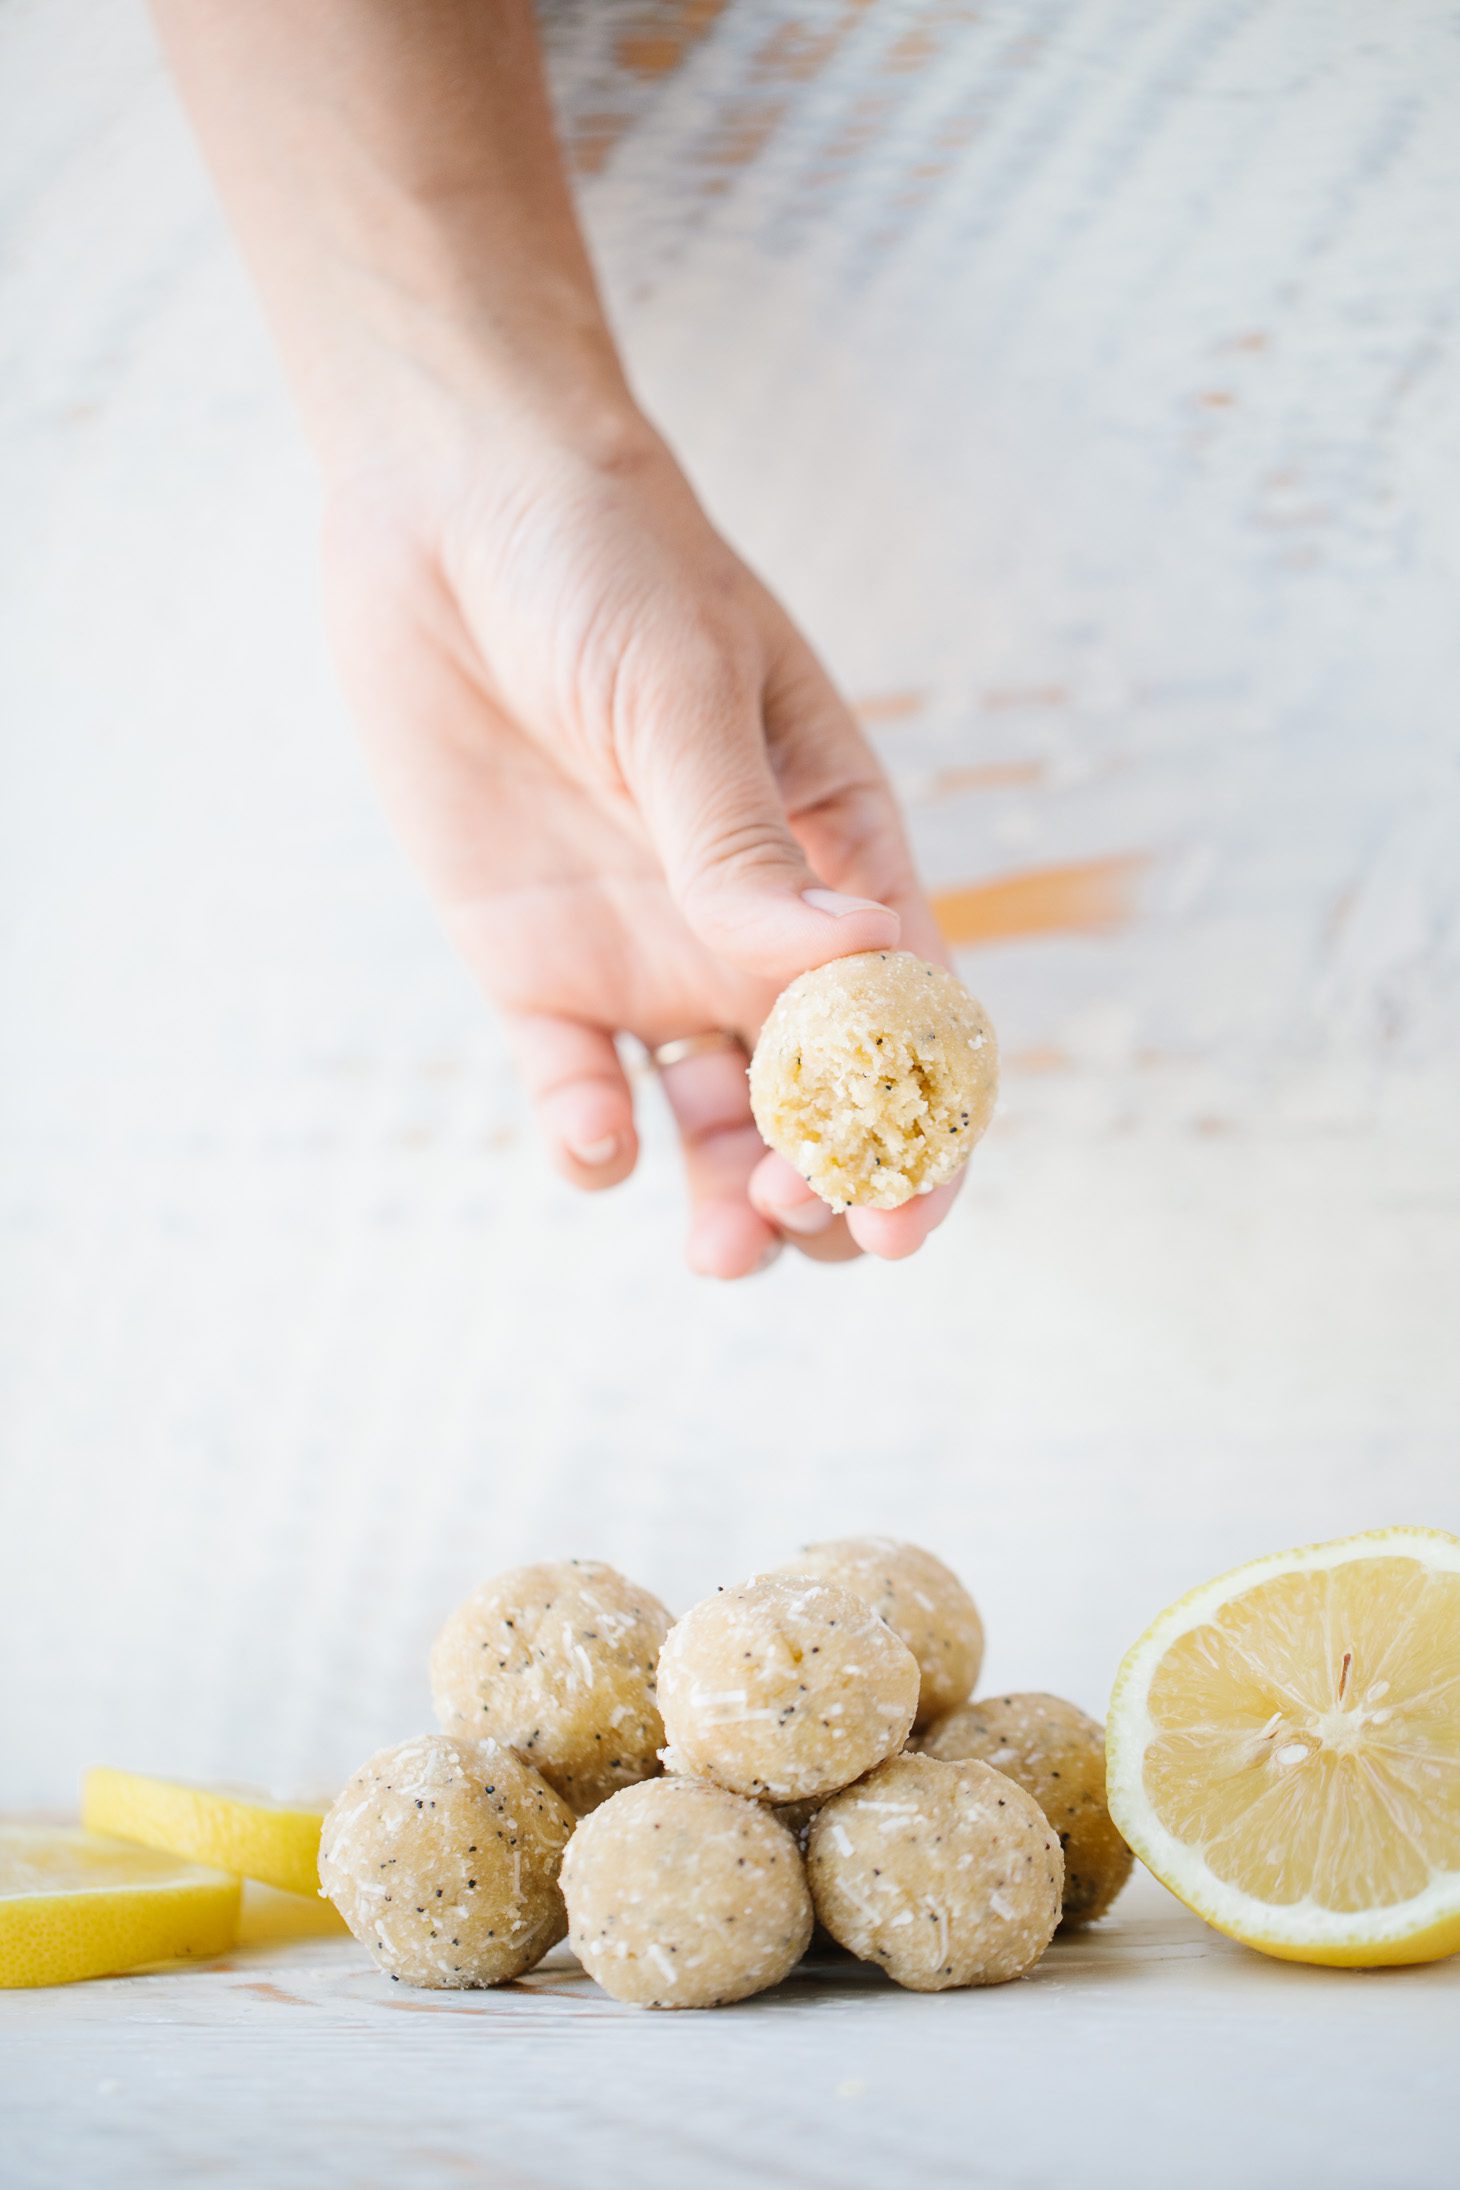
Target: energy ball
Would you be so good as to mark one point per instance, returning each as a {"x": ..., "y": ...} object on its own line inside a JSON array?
[
  {"x": 798, "y": 1818},
  {"x": 945, "y": 1874},
  {"x": 785, "y": 1688},
  {"x": 682, "y": 1895},
  {"x": 874, "y": 1075},
  {"x": 920, "y": 1599},
  {"x": 1057, "y": 1754},
  {"x": 557, "y": 1661},
  {"x": 442, "y": 1856}
]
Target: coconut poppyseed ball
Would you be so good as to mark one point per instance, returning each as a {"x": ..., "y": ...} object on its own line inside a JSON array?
[
  {"x": 920, "y": 1599},
  {"x": 558, "y": 1661},
  {"x": 798, "y": 1818},
  {"x": 681, "y": 1894},
  {"x": 442, "y": 1856},
  {"x": 1056, "y": 1754},
  {"x": 943, "y": 1874},
  {"x": 874, "y": 1075},
  {"x": 784, "y": 1688}
]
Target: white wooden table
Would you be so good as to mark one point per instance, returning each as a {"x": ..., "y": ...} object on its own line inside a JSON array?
[
  {"x": 1086, "y": 374},
  {"x": 1150, "y": 2054}
]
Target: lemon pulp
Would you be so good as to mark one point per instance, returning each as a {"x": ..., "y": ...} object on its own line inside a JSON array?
[
  {"x": 79, "y": 1904},
  {"x": 1285, "y": 1749}
]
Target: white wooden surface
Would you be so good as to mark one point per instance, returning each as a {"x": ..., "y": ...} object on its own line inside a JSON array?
[
  {"x": 1084, "y": 372},
  {"x": 1149, "y": 2053}
]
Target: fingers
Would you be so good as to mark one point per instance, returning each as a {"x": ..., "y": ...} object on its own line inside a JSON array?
[
  {"x": 845, "y": 814},
  {"x": 744, "y": 1202},
  {"x": 694, "y": 756},
  {"x": 580, "y": 1095},
  {"x": 894, "y": 1234},
  {"x": 842, "y": 807},
  {"x": 784, "y": 1199},
  {"x": 782, "y": 1195},
  {"x": 711, "y": 1106}
]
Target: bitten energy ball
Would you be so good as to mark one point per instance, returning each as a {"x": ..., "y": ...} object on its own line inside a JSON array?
[
  {"x": 1057, "y": 1755},
  {"x": 785, "y": 1688},
  {"x": 558, "y": 1661},
  {"x": 920, "y": 1599},
  {"x": 442, "y": 1856},
  {"x": 682, "y": 1895},
  {"x": 945, "y": 1874},
  {"x": 874, "y": 1075}
]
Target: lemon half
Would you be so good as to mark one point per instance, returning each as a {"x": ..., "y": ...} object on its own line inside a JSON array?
[
  {"x": 77, "y": 1904},
  {"x": 1283, "y": 1750},
  {"x": 235, "y": 1828}
]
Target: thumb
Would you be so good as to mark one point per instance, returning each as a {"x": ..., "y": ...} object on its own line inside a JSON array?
[{"x": 697, "y": 768}]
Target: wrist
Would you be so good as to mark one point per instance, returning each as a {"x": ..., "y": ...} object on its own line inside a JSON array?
[
  {"x": 403, "y": 419},
  {"x": 392, "y": 368}
]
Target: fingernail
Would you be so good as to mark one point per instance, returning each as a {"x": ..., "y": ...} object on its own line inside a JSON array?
[
  {"x": 806, "y": 1219},
  {"x": 594, "y": 1153},
  {"x": 838, "y": 905}
]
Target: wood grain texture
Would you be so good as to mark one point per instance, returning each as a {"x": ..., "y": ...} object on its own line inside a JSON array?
[
  {"x": 1084, "y": 374},
  {"x": 1146, "y": 2051}
]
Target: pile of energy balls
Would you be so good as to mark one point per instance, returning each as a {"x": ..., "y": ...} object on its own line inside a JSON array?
[{"x": 688, "y": 1800}]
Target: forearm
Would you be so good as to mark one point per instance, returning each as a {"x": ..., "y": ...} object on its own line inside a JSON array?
[{"x": 391, "y": 170}]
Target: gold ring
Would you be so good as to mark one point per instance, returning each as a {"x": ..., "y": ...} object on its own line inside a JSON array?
[{"x": 693, "y": 1045}]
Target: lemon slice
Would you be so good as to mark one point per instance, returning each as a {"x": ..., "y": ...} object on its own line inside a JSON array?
[
  {"x": 77, "y": 1904},
  {"x": 1284, "y": 1750},
  {"x": 269, "y": 1918},
  {"x": 236, "y": 1828}
]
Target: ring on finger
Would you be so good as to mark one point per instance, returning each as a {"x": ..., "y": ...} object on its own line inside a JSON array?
[{"x": 693, "y": 1045}]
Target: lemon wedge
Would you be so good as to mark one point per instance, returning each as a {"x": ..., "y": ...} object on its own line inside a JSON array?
[
  {"x": 78, "y": 1904},
  {"x": 235, "y": 1828},
  {"x": 1283, "y": 1750}
]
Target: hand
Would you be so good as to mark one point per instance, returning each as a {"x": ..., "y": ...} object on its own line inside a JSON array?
[
  {"x": 619, "y": 765},
  {"x": 630, "y": 785}
]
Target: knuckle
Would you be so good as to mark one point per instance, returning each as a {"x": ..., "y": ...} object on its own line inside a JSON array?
[
  {"x": 723, "y": 872},
  {"x": 743, "y": 849},
  {"x": 683, "y": 662}
]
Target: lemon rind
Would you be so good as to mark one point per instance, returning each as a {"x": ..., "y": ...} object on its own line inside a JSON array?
[
  {"x": 254, "y": 1835},
  {"x": 189, "y": 1913},
  {"x": 1424, "y": 1927}
]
